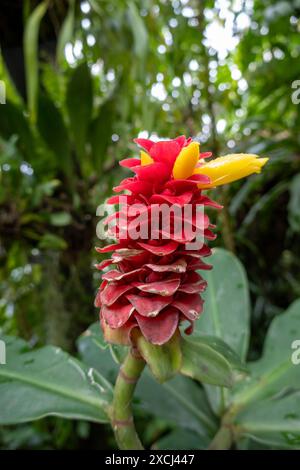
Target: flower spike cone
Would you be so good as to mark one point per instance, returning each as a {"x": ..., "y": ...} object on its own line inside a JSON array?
[{"x": 153, "y": 285}]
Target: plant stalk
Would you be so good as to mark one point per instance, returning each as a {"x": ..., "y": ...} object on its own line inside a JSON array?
[
  {"x": 122, "y": 418},
  {"x": 223, "y": 439},
  {"x": 228, "y": 432}
]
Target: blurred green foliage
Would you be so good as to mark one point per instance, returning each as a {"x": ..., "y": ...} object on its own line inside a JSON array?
[{"x": 99, "y": 73}]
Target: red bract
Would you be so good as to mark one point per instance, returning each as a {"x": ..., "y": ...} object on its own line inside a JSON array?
[{"x": 153, "y": 285}]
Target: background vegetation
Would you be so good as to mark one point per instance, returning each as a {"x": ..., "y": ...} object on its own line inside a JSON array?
[{"x": 82, "y": 80}]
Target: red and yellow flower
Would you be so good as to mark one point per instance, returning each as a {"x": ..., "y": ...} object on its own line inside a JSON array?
[{"x": 154, "y": 285}]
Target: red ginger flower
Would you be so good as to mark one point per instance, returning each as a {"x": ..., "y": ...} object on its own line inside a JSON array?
[{"x": 155, "y": 285}]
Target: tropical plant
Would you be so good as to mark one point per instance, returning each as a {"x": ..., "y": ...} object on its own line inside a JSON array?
[
  {"x": 97, "y": 75},
  {"x": 257, "y": 410}
]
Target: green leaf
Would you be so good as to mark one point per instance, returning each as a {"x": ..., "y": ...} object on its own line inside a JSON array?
[
  {"x": 13, "y": 122},
  {"x": 48, "y": 381},
  {"x": 118, "y": 352},
  {"x": 66, "y": 33},
  {"x": 273, "y": 422},
  {"x": 11, "y": 92},
  {"x": 181, "y": 439},
  {"x": 164, "y": 361},
  {"x": 95, "y": 352},
  {"x": 227, "y": 306},
  {"x": 238, "y": 367},
  {"x": 226, "y": 312},
  {"x": 275, "y": 371},
  {"x": 264, "y": 202},
  {"x": 294, "y": 204},
  {"x": 79, "y": 102},
  {"x": 60, "y": 219},
  {"x": 54, "y": 84},
  {"x": 100, "y": 133},
  {"x": 54, "y": 132},
  {"x": 46, "y": 188},
  {"x": 52, "y": 242},
  {"x": 31, "y": 34},
  {"x": 180, "y": 401},
  {"x": 96, "y": 7},
  {"x": 138, "y": 30},
  {"x": 209, "y": 360}
]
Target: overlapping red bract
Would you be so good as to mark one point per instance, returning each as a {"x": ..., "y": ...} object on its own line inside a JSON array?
[{"x": 154, "y": 285}]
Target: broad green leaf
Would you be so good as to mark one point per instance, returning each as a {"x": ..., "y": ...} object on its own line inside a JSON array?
[
  {"x": 226, "y": 311},
  {"x": 95, "y": 352},
  {"x": 275, "y": 371},
  {"x": 238, "y": 367},
  {"x": 79, "y": 102},
  {"x": 294, "y": 204},
  {"x": 66, "y": 33},
  {"x": 227, "y": 307},
  {"x": 247, "y": 443},
  {"x": 100, "y": 133},
  {"x": 46, "y": 188},
  {"x": 118, "y": 352},
  {"x": 264, "y": 202},
  {"x": 53, "y": 130},
  {"x": 48, "y": 381},
  {"x": 181, "y": 439},
  {"x": 209, "y": 360},
  {"x": 96, "y": 7},
  {"x": 242, "y": 195},
  {"x": 274, "y": 422},
  {"x": 13, "y": 121},
  {"x": 52, "y": 242},
  {"x": 54, "y": 84},
  {"x": 179, "y": 401},
  {"x": 31, "y": 35},
  {"x": 138, "y": 30},
  {"x": 60, "y": 219},
  {"x": 11, "y": 92},
  {"x": 164, "y": 361}
]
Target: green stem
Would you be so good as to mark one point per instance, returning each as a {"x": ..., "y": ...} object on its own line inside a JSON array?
[
  {"x": 122, "y": 418},
  {"x": 228, "y": 432},
  {"x": 223, "y": 439}
]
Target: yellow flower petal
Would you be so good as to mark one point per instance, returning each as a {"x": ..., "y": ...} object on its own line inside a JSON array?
[
  {"x": 186, "y": 161},
  {"x": 145, "y": 158},
  {"x": 230, "y": 168}
]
